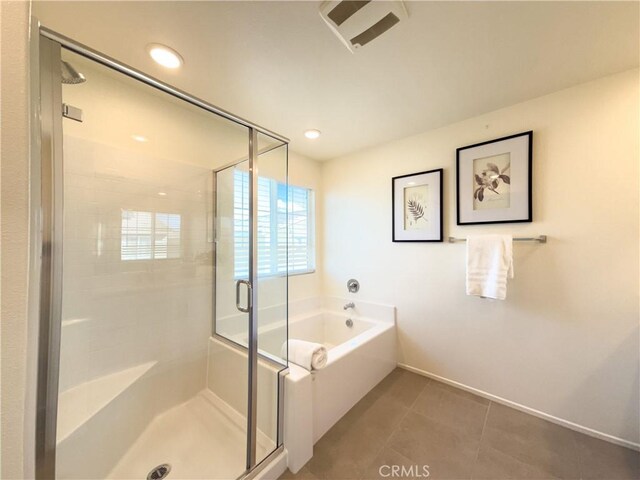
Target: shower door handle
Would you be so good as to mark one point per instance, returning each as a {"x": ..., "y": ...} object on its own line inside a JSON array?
[{"x": 249, "y": 295}]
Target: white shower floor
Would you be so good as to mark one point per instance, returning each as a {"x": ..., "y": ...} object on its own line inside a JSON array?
[{"x": 196, "y": 438}]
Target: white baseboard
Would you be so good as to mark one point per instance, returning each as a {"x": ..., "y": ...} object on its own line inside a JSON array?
[{"x": 536, "y": 413}]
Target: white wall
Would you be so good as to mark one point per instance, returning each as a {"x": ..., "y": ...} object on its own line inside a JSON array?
[
  {"x": 565, "y": 341},
  {"x": 15, "y": 228}
]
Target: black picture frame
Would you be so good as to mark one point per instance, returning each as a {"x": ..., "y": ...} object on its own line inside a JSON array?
[
  {"x": 433, "y": 235},
  {"x": 527, "y": 211}
]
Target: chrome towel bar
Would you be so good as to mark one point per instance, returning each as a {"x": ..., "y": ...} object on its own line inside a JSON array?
[{"x": 539, "y": 239}]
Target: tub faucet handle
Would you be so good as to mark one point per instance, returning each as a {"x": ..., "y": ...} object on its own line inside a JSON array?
[{"x": 348, "y": 306}]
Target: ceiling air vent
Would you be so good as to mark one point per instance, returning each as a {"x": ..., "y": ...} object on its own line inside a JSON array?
[{"x": 356, "y": 23}]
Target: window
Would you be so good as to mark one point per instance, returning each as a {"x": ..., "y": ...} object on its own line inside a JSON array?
[
  {"x": 273, "y": 201},
  {"x": 148, "y": 235}
]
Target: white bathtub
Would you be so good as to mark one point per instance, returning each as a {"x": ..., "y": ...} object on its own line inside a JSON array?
[{"x": 358, "y": 358}]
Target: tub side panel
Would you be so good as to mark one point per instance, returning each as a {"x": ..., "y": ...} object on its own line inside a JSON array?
[
  {"x": 340, "y": 385},
  {"x": 298, "y": 419}
]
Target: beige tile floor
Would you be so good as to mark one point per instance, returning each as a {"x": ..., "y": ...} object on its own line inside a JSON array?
[{"x": 411, "y": 421}]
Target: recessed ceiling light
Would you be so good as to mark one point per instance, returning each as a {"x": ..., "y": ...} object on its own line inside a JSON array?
[
  {"x": 139, "y": 138},
  {"x": 312, "y": 134},
  {"x": 162, "y": 194},
  {"x": 165, "y": 56}
]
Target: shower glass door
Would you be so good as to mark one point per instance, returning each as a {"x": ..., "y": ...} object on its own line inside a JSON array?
[
  {"x": 251, "y": 282},
  {"x": 272, "y": 247},
  {"x": 154, "y": 242},
  {"x": 272, "y": 276}
]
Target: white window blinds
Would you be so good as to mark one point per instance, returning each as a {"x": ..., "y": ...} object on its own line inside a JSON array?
[{"x": 274, "y": 199}]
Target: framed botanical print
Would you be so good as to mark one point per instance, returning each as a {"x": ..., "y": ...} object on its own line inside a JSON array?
[
  {"x": 417, "y": 207},
  {"x": 493, "y": 181}
]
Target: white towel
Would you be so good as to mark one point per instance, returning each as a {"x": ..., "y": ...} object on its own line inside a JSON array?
[
  {"x": 489, "y": 263},
  {"x": 309, "y": 355}
]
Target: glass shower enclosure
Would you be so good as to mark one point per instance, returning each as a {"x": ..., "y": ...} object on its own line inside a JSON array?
[{"x": 163, "y": 298}]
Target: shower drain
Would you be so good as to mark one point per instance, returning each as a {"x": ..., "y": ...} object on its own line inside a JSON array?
[{"x": 160, "y": 472}]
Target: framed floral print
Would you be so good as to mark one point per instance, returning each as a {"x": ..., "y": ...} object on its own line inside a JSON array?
[
  {"x": 493, "y": 181},
  {"x": 417, "y": 207}
]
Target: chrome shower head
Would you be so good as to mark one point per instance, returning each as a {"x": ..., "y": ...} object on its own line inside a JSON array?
[{"x": 70, "y": 75}]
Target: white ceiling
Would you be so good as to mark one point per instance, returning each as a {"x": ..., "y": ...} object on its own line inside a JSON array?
[{"x": 278, "y": 65}]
